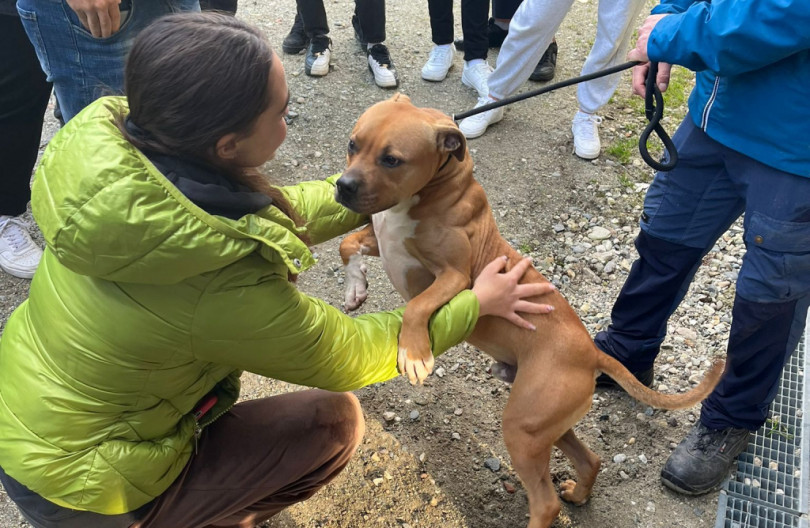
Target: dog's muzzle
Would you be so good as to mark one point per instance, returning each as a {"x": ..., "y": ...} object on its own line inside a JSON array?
[{"x": 346, "y": 190}]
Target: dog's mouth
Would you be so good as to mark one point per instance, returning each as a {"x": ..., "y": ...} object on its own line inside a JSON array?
[{"x": 359, "y": 204}]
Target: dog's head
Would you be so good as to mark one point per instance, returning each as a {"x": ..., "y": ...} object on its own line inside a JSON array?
[{"x": 394, "y": 151}]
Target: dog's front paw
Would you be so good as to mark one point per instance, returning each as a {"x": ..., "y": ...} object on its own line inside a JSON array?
[
  {"x": 416, "y": 366},
  {"x": 356, "y": 284}
]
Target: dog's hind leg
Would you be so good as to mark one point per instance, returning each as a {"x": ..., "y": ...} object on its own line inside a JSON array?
[
  {"x": 529, "y": 438},
  {"x": 531, "y": 461},
  {"x": 586, "y": 463}
]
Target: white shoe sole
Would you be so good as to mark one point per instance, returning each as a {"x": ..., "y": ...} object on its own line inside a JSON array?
[
  {"x": 436, "y": 77},
  {"x": 478, "y": 133},
  {"x": 587, "y": 155},
  {"x": 318, "y": 70}
]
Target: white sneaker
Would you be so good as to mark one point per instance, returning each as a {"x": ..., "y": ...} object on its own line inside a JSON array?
[
  {"x": 439, "y": 63},
  {"x": 475, "y": 76},
  {"x": 319, "y": 55},
  {"x": 476, "y": 125},
  {"x": 381, "y": 65},
  {"x": 19, "y": 255},
  {"x": 586, "y": 135}
]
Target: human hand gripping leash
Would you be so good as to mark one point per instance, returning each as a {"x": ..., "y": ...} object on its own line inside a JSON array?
[{"x": 653, "y": 103}]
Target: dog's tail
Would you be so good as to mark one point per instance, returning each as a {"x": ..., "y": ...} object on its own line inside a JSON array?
[{"x": 639, "y": 391}]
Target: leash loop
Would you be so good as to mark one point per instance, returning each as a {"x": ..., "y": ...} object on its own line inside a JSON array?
[{"x": 654, "y": 110}]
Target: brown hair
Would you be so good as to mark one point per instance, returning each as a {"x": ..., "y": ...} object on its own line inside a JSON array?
[{"x": 192, "y": 78}]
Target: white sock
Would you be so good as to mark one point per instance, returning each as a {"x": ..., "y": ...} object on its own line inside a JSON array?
[
  {"x": 443, "y": 47},
  {"x": 473, "y": 62},
  {"x": 372, "y": 44},
  {"x": 503, "y": 25}
]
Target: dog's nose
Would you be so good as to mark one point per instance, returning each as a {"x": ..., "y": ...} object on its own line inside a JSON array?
[{"x": 347, "y": 187}]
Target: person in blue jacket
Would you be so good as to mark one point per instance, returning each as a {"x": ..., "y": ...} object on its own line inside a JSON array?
[{"x": 744, "y": 147}]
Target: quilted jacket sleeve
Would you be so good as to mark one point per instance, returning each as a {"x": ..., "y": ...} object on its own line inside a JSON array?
[
  {"x": 325, "y": 218},
  {"x": 274, "y": 330}
]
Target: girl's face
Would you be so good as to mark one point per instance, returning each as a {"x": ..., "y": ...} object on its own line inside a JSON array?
[{"x": 270, "y": 129}]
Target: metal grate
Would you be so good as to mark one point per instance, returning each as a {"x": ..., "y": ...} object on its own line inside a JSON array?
[{"x": 771, "y": 486}]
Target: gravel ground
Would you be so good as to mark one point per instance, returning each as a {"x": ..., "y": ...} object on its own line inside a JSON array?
[{"x": 434, "y": 456}]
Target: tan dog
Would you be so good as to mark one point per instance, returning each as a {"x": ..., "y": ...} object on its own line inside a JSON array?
[{"x": 410, "y": 170}]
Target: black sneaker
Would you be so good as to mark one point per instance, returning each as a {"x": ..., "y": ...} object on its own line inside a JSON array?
[
  {"x": 495, "y": 34},
  {"x": 319, "y": 55},
  {"x": 545, "y": 69},
  {"x": 703, "y": 459},
  {"x": 381, "y": 65},
  {"x": 296, "y": 40}
]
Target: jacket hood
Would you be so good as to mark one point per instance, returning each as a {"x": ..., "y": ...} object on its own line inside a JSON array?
[{"x": 106, "y": 211}]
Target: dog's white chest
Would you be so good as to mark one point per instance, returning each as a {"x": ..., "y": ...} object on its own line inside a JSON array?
[{"x": 392, "y": 227}]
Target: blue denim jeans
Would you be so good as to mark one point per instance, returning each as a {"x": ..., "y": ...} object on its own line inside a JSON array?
[{"x": 81, "y": 67}]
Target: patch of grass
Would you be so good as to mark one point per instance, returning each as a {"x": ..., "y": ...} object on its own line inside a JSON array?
[
  {"x": 625, "y": 181},
  {"x": 681, "y": 82},
  {"x": 622, "y": 150},
  {"x": 774, "y": 427},
  {"x": 525, "y": 248}
]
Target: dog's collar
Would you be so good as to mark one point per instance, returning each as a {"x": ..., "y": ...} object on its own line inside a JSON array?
[{"x": 445, "y": 162}]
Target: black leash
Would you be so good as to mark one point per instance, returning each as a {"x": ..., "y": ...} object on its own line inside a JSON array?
[{"x": 654, "y": 110}]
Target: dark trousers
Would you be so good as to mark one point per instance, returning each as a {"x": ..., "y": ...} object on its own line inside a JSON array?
[
  {"x": 226, "y": 6},
  {"x": 257, "y": 459},
  {"x": 24, "y": 94},
  {"x": 474, "y": 16},
  {"x": 505, "y": 9},
  {"x": 370, "y": 16},
  {"x": 685, "y": 212}
]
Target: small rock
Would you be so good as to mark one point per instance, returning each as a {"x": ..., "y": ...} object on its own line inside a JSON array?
[
  {"x": 508, "y": 487},
  {"x": 389, "y": 416},
  {"x": 456, "y": 436},
  {"x": 599, "y": 233},
  {"x": 618, "y": 459},
  {"x": 642, "y": 458},
  {"x": 440, "y": 372},
  {"x": 414, "y": 415},
  {"x": 492, "y": 463},
  {"x": 377, "y": 481},
  {"x": 624, "y": 475}
]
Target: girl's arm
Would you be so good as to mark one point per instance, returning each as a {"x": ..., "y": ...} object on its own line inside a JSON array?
[{"x": 274, "y": 330}]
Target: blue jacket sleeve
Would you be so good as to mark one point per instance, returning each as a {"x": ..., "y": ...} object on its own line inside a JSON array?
[{"x": 729, "y": 37}]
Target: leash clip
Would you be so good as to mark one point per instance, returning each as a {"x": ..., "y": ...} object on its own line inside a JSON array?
[{"x": 654, "y": 110}]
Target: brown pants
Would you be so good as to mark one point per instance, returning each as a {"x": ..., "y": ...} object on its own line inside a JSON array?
[{"x": 259, "y": 458}]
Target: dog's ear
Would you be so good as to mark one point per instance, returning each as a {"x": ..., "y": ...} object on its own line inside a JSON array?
[
  {"x": 400, "y": 97},
  {"x": 450, "y": 139}
]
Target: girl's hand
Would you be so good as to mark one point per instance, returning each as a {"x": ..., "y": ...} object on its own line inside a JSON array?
[{"x": 500, "y": 294}]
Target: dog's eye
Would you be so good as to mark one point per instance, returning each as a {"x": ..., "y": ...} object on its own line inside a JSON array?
[
  {"x": 390, "y": 162},
  {"x": 352, "y": 147}
]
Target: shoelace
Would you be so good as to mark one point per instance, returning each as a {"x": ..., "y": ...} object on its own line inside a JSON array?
[
  {"x": 380, "y": 54},
  {"x": 438, "y": 56},
  {"x": 593, "y": 120},
  {"x": 707, "y": 440},
  {"x": 319, "y": 45},
  {"x": 14, "y": 231}
]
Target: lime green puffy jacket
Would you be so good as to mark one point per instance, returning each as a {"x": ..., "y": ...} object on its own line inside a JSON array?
[{"x": 143, "y": 303}]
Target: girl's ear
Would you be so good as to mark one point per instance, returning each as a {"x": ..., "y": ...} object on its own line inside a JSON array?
[{"x": 226, "y": 147}]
